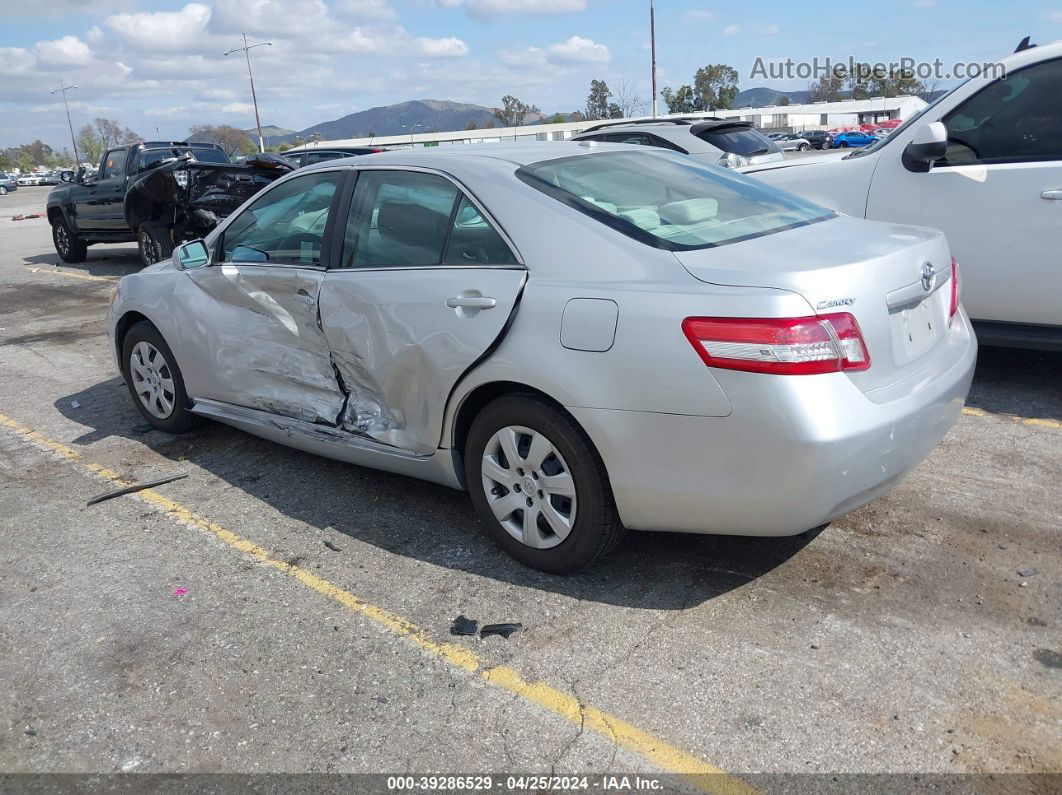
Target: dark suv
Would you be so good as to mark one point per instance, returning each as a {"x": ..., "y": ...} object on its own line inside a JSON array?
[{"x": 819, "y": 139}]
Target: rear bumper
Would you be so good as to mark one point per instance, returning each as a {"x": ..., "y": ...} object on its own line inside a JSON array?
[{"x": 796, "y": 452}]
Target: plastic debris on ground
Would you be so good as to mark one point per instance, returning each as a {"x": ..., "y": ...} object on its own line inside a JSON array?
[{"x": 464, "y": 626}]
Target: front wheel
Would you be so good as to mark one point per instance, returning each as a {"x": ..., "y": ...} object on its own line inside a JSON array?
[
  {"x": 68, "y": 245},
  {"x": 154, "y": 380},
  {"x": 540, "y": 486},
  {"x": 803, "y": 147},
  {"x": 3, "y": 190},
  {"x": 154, "y": 243}
]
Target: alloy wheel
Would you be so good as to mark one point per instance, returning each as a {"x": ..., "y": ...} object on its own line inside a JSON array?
[
  {"x": 152, "y": 380},
  {"x": 62, "y": 239},
  {"x": 529, "y": 487}
]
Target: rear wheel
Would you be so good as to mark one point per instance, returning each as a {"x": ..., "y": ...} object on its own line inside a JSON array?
[
  {"x": 3, "y": 190},
  {"x": 540, "y": 486},
  {"x": 154, "y": 243},
  {"x": 154, "y": 380},
  {"x": 803, "y": 147},
  {"x": 68, "y": 246}
]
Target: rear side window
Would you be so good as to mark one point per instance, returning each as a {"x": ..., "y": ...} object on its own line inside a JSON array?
[
  {"x": 414, "y": 220},
  {"x": 740, "y": 140},
  {"x": 669, "y": 201}
]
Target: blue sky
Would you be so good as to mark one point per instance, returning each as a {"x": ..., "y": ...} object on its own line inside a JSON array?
[{"x": 158, "y": 63}]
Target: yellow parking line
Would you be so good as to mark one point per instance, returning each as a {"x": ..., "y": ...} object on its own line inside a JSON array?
[
  {"x": 705, "y": 776},
  {"x": 73, "y": 274},
  {"x": 1042, "y": 423}
]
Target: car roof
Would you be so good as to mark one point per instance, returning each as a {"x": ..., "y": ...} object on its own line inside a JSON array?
[{"x": 519, "y": 154}]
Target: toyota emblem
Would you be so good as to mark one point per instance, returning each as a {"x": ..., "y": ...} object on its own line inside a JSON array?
[{"x": 929, "y": 277}]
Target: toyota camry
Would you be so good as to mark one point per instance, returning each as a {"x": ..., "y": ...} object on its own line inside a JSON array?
[{"x": 586, "y": 337}]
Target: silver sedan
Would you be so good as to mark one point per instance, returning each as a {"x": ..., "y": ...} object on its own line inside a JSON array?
[{"x": 586, "y": 337}]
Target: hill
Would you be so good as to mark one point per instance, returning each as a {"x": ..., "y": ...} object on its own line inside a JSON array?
[{"x": 422, "y": 115}]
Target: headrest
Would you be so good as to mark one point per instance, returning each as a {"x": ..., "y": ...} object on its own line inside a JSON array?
[
  {"x": 410, "y": 221},
  {"x": 690, "y": 211}
]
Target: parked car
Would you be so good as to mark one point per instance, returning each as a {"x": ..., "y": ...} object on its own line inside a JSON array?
[
  {"x": 311, "y": 155},
  {"x": 819, "y": 139},
  {"x": 686, "y": 350},
  {"x": 7, "y": 183},
  {"x": 157, "y": 193},
  {"x": 722, "y": 142},
  {"x": 792, "y": 142},
  {"x": 984, "y": 164},
  {"x": 852, "y": 138},
  {"x": 29, "y": 179}
]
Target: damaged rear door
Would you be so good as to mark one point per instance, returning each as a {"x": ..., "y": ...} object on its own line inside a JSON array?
[
  {"x": 253, "y": 314},
  {"x": 424, "y": 285}
]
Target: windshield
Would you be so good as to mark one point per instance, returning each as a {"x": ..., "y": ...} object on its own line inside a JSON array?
[
  {"x": 670, "y": 201},
  {"x": 149, "y": 158},
  {"x": 877, "y": 145},
  {"x": 740, "y": 140}
]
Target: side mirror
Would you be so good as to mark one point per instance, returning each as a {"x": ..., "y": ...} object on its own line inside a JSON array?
[
  {"x": 66, "y": 176},
  {"x": 930, "y": 143},
  {"x": 193, "y": 255}
]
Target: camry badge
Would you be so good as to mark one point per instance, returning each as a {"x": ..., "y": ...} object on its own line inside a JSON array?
[
  {"x": 835, "y": 302},
  {"x": 929, "y": 276}
]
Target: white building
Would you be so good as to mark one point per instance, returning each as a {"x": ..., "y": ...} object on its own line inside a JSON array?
[{"x": 813, "y": 116}]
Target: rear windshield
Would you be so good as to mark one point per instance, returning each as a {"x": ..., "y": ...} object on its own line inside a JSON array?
[
  {"x": 149, "y": 158},
  {"x": 670, "y": 201},
  {"x": 740, "y": 140}
]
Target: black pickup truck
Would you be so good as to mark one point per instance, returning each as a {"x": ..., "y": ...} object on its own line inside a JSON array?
[{"x": 157, "y": 194}]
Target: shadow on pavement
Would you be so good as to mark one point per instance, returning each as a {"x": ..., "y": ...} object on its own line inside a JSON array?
[
  {"x": 404, "y": 516},
  {"x": 101, "y": 261},
  {"x": 1022, "y": 383}
]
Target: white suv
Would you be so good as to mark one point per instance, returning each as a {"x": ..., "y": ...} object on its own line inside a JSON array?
[
  {"x": 722, "y": 142},
  {"x": 984, "y": 164}
]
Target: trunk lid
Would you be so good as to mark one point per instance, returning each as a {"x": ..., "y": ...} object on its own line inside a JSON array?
[{"x": 871, "y": 270}]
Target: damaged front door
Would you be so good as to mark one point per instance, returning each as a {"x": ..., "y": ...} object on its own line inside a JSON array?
[
  {"x": 254, "y": 311},
  {"x": 425, "y": 286}
]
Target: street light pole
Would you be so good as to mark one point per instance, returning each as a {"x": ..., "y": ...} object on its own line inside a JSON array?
[
  {"x": 652, "y": 45},
  {"x": 63, "y": 88},
  {"x": 247, "y": 53},
  {"x": 411, "y": 129}
]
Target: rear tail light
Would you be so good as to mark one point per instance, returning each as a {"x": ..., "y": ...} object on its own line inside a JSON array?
[
  {"x": 782, "y": 346},
  {"x": 954, "y": 290}
]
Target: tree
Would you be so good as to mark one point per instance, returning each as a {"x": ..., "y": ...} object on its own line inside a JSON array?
[
  {"x": 316, "y": 137},
  {"x": 471, "y": 126},
  {"x": 597, "y": 100},
  {"x": 232, "y": 139},
  {"x": 715, "y": 86},
  {"x": 898, "y": 82},
  {"x": 283, "y": 147},
  {"x": 681, "y": 101},
  {"x": 558, "y": 118},
  {"x": 829, "y": 87},
  {"x": 24, "y": 161},
  {"x": 513, "y": 112},
  {"x": 89, "y": 145},
  {"x": 627, "y": 100},
  {"x": 784, "y": 101}
]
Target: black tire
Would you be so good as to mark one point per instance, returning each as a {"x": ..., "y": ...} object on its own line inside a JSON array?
[
  {"x": 180, "y": 419},
  {"x": 597, "y": 529},
  {"x": 844, "y": 144},
  {"x": 68, "y": 245},
  {"x": 154, "y": 243},
  {"x": 803, "y": 147},
  {"x": 3, "y": 190}
]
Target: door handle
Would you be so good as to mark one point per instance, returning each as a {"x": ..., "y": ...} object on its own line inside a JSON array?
[
  {"x": 304, "y": 295},
  {"x": 471, "y": 302},
  {"x": 1054, "y": 195}
]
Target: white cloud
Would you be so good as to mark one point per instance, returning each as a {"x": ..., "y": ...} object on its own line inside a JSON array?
[
  {"x": 526, "y": 56},
  {"x": 1054, "y": 16},
  {"x": 731, "y": 30},
  {"x": 123, "y": 68},
  {"x": 490, "y": 8},
  {"x": 767, "y": 30},
  {"x": 366, "y": 9},
  {"x": 67, "y": 51},
  {"x": 449, "y": 47},
  {"x": 175, "y": 111},
  {"x": 238, "y": 107},
  {"x": 222, "y": 94},
  {"x": 578, "y": 50},
  {"x": 15, "y": 60},
  {"x": 274, "y": 18},
  {"x": 163, "y": 30},
  {"x": 698, "y": 15},
  {"x": 94, "y": 34}
]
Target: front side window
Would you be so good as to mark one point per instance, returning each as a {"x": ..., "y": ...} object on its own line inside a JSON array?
[
  {"x": 286, "y": 226},
  {"x": 670, "y": 201},
  {"x": 1010, "y": 121},
  {"x": 411, "y": 219},
  {"x": 113, "y": 164},
  {"x": 320, "y": 157}
]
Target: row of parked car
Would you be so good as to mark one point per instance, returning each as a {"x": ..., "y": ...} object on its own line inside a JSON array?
[{"x": 826, "y": 139}]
